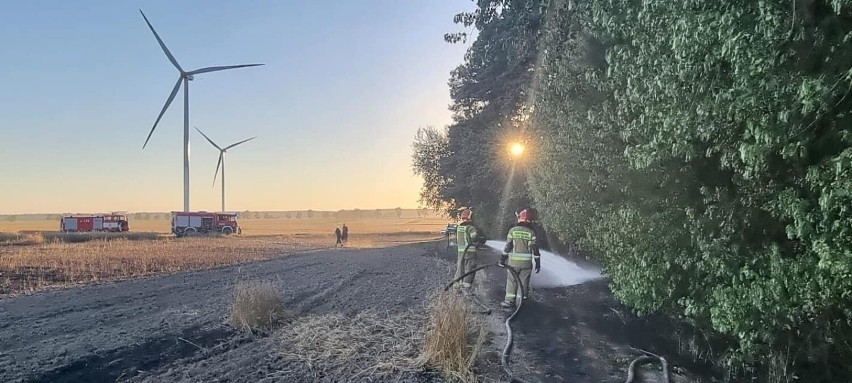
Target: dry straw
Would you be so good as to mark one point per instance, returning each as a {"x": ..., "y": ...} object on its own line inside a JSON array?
[
  {"x": 257, "y": 307},
  {"x": 454, "y": 337},
  {"x": 360, "y": 347}
]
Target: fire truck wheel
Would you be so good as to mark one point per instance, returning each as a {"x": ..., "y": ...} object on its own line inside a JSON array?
[
  {"x": 227, "y": 230},
  {"x": 189, "y": 231}
]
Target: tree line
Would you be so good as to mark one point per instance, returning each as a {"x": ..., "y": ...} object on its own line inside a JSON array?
[{"x": 701, "y": 150}]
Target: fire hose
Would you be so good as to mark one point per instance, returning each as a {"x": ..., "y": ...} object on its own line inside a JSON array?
[
  {"x": 647, "y": 358},
  {"x": 507, "y": 350}
]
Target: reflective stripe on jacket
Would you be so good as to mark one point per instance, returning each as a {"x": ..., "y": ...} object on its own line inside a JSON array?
[
  {"x": 466, "y": 234},
  {"x": 522, "y": 244}
]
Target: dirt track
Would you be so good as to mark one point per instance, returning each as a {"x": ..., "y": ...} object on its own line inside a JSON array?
[{"x": 172, "y": 328}]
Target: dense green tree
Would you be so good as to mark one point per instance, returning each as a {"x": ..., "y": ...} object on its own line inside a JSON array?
[
  {"x": 700, "y": 149},
  {"x": 490, "y": 91},
  {"x": 429, "y": 150}
]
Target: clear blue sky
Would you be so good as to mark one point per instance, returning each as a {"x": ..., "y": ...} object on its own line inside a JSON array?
[{"x": 345, "y": 86}]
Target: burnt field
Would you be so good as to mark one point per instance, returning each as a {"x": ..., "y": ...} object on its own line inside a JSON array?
[
  {"x": 351, "y": 315},
  {"x": 174, "y": 327}
]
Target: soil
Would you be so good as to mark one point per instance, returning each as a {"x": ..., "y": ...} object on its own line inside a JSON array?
[
  {"x": 173, "y": 328},
  {"x": 580, "y": 334}
]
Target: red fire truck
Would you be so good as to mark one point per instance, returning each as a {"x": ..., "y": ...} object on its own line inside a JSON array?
[
  {"x": 99, "y": 222},
  {"x": 189, "y": 223}
]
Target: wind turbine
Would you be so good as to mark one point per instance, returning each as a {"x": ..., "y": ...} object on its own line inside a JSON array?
[
  {"x": 221, "y": 162},
  {"x": 184, "y": 77}
]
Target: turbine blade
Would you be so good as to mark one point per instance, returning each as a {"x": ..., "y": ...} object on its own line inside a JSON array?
[
  {"x": 162, "y": 44},
  {"x": 168, "y": 102},
  {"x": 218, "y": 163},
  {"x": 218, "y": 68},
  {"x": 243, "y": 141},
  {"x": 208, "y": 139}
]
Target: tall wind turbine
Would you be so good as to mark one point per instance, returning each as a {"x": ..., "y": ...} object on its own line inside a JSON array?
[
  {"x": 184, "y": 77},
  {"x": 221, "y": 162}
]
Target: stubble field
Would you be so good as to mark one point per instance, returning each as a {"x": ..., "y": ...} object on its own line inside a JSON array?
[{"x": 34, "y": 257}]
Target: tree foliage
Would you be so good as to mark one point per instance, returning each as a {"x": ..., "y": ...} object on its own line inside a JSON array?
[
  {"x": 430, "y": 149},
  {"x": 701, "y": 149},
  {"x": 489, "y": 91}
]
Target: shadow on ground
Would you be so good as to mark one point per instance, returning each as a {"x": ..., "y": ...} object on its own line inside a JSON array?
[{"x": 579, "y": 333}]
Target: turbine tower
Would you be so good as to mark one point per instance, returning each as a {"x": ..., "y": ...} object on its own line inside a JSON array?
[
  {"x": 185, "y": 78},
  {"x": 221, "y": 162}
]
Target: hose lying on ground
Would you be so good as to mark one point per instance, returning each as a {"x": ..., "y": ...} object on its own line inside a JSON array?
[
  {"x": 647, "y": 358},
  {"x": 507, "y": 350}
]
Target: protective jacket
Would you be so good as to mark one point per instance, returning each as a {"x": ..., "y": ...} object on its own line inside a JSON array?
[
  {"x": 521, "y": 250},
  {"x": 522, "y": 244},
  {"x": 468, "y": 237}
]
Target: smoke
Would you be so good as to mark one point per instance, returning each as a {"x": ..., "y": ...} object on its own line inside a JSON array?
[{"x": 556, "y": 271}]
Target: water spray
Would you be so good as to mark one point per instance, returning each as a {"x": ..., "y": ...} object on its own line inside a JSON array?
[{"x": 567, "y": 273}]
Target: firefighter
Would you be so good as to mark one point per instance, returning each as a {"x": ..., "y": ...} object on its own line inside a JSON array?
[
  {"x": 468, "y": 237},
  {"x": 520, "y": 252},
  {"x": 344, "y": 234}
]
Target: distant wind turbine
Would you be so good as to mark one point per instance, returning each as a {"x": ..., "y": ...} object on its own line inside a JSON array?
[
  {"x": 221, "y": 162},
  {"x": 185, "y": 77}
]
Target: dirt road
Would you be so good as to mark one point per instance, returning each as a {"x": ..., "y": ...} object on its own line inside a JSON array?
[{"x": 172, "y": 328}]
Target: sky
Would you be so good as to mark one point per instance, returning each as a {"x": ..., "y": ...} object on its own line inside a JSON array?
[{"x": 345, "y": 86}]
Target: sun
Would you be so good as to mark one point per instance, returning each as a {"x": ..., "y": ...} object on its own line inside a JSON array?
[{"x": 517, "y": 149}]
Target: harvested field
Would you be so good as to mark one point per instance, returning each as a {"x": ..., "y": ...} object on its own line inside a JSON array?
[
  {"x": 31, "y": 260},
  {"x": 274, "y": 226},
  {"x": 27, "y": 238},
  {"x": 353, "y": 311},
  {"x": 54, "y": 264}
]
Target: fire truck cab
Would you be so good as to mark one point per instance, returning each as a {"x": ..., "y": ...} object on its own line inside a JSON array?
[
  {"x": 115, "y": 223},
  {"x": 202, "y": 222}
]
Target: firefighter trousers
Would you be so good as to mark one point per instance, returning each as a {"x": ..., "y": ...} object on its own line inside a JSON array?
[
  {"x": 524, "y": 269},
  {"x": 468, "y": 263}
]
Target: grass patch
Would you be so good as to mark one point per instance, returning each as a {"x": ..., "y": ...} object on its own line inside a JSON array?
[
  {"x": 454, "y": 337},
  {"x": 31, "y": 237},
  {"x": 12, "y": 239},
  {"x": 257, "y": 306},
  {"x": 86, "y": 237},
  {"x": 363, "y": 347}
]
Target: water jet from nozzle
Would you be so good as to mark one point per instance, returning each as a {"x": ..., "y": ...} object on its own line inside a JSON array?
[{"x": 556, "y": 271}]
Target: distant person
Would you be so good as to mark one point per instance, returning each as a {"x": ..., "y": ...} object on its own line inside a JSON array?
[
  {"x": 468, "y": 238},
  {"x": 345, "y": 233},
  {"x": 520, "y": 252},
  {"x": 339, "y": 236}
]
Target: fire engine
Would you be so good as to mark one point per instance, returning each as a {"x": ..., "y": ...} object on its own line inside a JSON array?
[
  {"x": 189, "y": 223},
  {"x": 87, "y": 223}
]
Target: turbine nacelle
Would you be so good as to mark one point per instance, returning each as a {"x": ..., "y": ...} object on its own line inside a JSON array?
[{"x": 189, "y": 76}]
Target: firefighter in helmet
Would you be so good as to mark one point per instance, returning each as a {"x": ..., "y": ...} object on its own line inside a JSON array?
[
  {"x": 520, "y": 252},
  {"x": 468, "y": 237}
]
